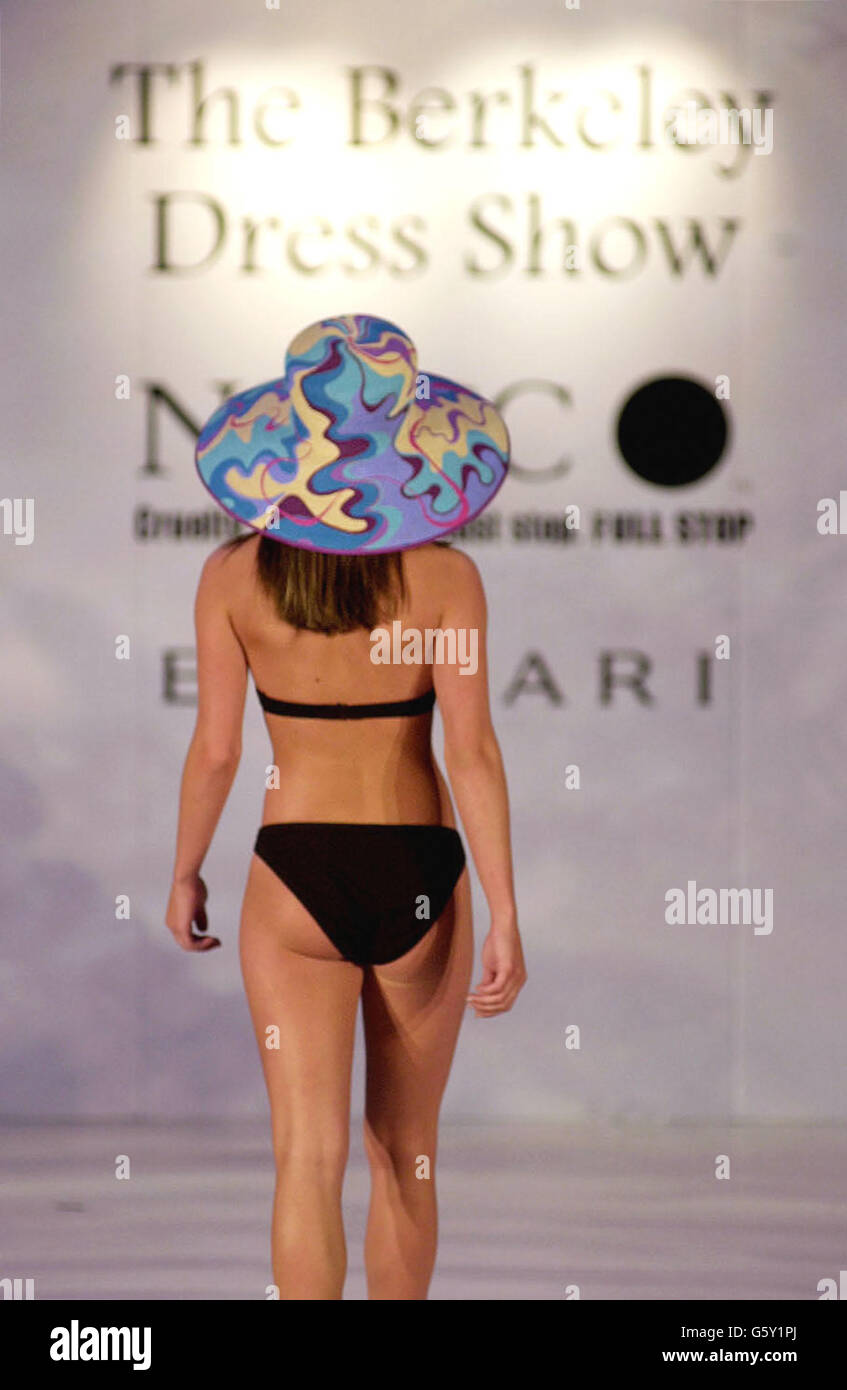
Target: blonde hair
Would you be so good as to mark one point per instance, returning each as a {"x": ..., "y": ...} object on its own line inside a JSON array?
[{"x": 329, "y": 593}]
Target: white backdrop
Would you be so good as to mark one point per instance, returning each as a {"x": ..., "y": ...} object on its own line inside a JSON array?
[{"x": 131, "y": 307}]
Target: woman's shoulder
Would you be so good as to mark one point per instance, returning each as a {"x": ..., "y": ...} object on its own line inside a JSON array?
[
  {"x": 443, "y": 580},
  {"x": 443, "y": 564},
  {"x": 227, "y": 569},
  {"x": 231, "y": 555}
]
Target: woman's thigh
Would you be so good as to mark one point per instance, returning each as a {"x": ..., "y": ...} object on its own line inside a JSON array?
[
  {"x": 412, "y": 1010},
  {"x": 303, "y": 999}
]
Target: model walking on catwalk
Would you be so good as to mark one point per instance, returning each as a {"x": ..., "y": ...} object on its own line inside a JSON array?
[{"x": 353, "y": 466}]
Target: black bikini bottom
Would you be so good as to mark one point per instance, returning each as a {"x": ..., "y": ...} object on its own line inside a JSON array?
[{"x": 375, "y": 890}]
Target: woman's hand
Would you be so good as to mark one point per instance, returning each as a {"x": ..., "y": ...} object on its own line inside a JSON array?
[
  {"x": 187, "y": 907},
  {"x": 503, "y": 975}
]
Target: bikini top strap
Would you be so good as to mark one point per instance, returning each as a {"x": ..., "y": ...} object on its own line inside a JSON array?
[{"x": 421, "y": 704}]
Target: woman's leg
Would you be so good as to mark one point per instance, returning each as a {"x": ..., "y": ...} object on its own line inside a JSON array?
[
  {"x": 303, "y": 999},
  {"x": 412, "y": 1011}
]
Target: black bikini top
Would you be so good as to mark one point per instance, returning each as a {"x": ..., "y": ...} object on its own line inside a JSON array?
[{"x": 386, "y": 709}]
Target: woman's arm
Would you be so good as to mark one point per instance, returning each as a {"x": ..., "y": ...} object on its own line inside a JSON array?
[
  {"x": 474, "y": 766},
  {"x": 213, "y": 755}
]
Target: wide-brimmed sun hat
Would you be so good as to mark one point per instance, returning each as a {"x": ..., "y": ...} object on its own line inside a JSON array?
[{"x": 354, "y": 450}]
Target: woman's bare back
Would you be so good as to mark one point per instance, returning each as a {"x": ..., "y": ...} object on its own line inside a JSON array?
[{"x": 365, "y": 770}]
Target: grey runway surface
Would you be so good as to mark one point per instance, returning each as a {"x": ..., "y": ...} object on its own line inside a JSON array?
[{"x": 527, "y": 1210}]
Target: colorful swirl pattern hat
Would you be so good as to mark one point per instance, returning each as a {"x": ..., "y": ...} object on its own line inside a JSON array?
[{"x": 353, "y": 450}]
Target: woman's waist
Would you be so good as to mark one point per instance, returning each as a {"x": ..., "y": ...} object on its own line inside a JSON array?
[
  {"x": 409, "y": 794},
  {"x": 407, "y": 800}
]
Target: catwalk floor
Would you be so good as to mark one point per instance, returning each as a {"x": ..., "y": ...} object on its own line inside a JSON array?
[{"x": 526, "y": 1211}]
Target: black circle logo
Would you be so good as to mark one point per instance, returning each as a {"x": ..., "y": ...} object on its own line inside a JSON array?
[{"x": 672, "y": 431}]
